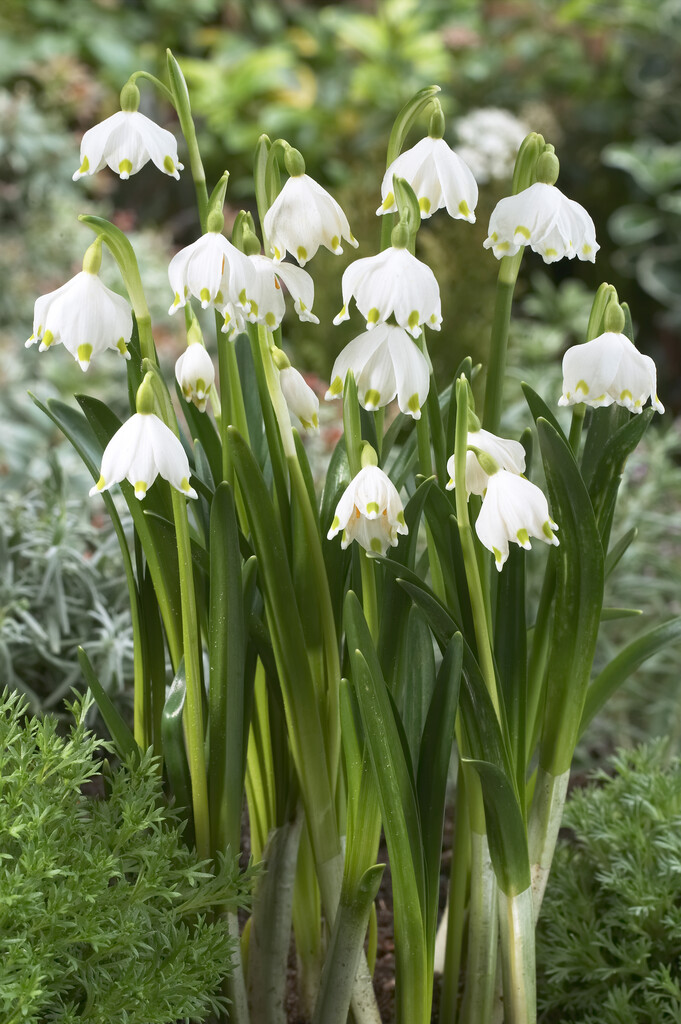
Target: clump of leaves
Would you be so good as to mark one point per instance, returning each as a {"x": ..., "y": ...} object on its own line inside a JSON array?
[
  {"x": 609, "y": 938},
  {"x": 104, "y": 912}
]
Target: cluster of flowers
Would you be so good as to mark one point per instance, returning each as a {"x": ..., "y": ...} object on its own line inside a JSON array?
[{"x": 386, "y": 361}]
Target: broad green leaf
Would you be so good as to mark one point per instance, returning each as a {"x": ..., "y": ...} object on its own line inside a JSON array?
[
  {"x": 433, "y": 765},
  {"x": 578, "y": 601},
  {"x": 123, "y": 739},
  {"x": 538, "y": 407},
  {"x": 415, "y": 677},
  {"x": 505, "y": 828},
  {"x": 609, "y": 468},
  {"x": 626, "y": 662}
]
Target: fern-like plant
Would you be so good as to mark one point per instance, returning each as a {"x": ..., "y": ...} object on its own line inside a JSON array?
[{"x": 105, "y": 915}]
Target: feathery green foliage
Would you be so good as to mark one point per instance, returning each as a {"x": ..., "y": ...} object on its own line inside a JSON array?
[
  {"x": 104, "y": 912},
  {"x": 609, "y": 938}
]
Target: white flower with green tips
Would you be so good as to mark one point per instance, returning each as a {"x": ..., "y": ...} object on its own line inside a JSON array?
[
  {"x": 303, "y": 217},
  {"x": 85, "y": 317},
  {"x": 301, "y": 400},
  {"x": 385, "y": 363},
  {"x": 212, "y": 270},
  {"x": 267, "y": 296},
  {"x": 142, "y": 449},
  {"x": 513, "y": 510},
  {"x": 195, "y": 374},
  {"x": 125, "y": 142},
  {"x": 393, "y": 283},
  {"x": 543, "y": 218},
  {"x": 438, "y": 176},
  {"x": 370, "y": 512},
  {"x": 508, "y": 455},
  {"x": 609, "y": 370}
]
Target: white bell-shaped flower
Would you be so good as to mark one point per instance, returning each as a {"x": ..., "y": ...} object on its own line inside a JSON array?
[
  {"x": 126, "y": 141},
  {"x": 213, "y": 271},
  {"x": 608, "y": 370},
  {"x": 195, "y": 374},
  {"x": 513, "y": 509},
  {"x": 507, "y": 454},
  {"x": 385, "y": 362},
  {"x": 267, "y": 298},
  {"x": 370, "y": 512},
  {"x": 393, "y": 282},
  {"x": 303, "y": 217},
  {"x": 438, "y": 176},
  {"x": 543, "y": 218},
  {"x": 139, "y": 451},
  {"x": 301, "y": 400},
  {"x": 235, "y": 321},
  {"x": 84, "y": 316}
]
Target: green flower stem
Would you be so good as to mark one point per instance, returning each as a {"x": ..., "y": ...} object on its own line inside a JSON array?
[
  {"x": 496, "y": 369},
  {"x": 163, "y": 89},
  {"x": 483, "y": 934},
  {"x": 369, "y": 599},
  {"x": 543, "y": 827},
  {"x": 277, "y": 399},
  {"x": 576, "y": 425},
  {"x": 518, "y": 957},
  {"x": 456, "y": 905},
  {"x": 178, "y": 88},
  {"x": 478, "y": 606}
]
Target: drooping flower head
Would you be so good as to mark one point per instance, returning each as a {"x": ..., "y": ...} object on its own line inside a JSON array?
[
  {"x": 393, "y": 283},
  {"x": 267, "y": 297},
  {"x": 213, "y": 271},
  {"x": 301, "y": 400},
  {"x": 438, "y": 176},
  {"x": 609, "y": 369},
  {"x": 508, "y": 455},
  {"x": 543, "y": 218},
  {"x": 304, "y": 216},
  {"x": 513, "y": 510},
  {"x": 83, "y": 315},
  {"x": 385, "y": 363},
  {"x": 194, "y": 370},
  {"x": 126, "y": 141},
  {"x": 143, "y": 448},
  {"x": 370, "y": 512}
]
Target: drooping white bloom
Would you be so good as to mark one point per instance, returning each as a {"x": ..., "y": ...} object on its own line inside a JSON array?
[
  {"x": 139, "y": 451},
  {"x": 609, "y": 369},
  {"x": 195, "y": 374},
  {"x": 394, "y": 282},
  {"x": 438, "y": 176},
  {"x": 213, "y": 271},
  {"x": 509, "y": 455},
  {"x": 385, "y": 363},
  {"x": 489, "y": 141},
  {"x": 543, "y": 218},
  {"x": 370, "y": 512},
  {"x": 267, "y": 298},
  {"x": 126, "y": 141},
  {"x": 513, "y": 509},
  {"x": 300, "y": 398},
  {"x": 303, "y": 217},
  {"x": 235, "y": 321},
  {"x": 84, "y": 316}
]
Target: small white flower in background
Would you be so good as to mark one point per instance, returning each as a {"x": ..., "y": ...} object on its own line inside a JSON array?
[
  {"x": 213, "y": 271},
  {"x": 392, "y": 282},
  {"x": 195, "y": 374},
  {"x": 126, "y": 141},
  {"x": 513, "y": 509},
  {"x": 267, "y": 298},
  {"x": 303, "y": 217},
  {"x": 608, "y": 370},
  {"x": 509, "y": 455},
  {"x": 143, "y": 448},
  {"x": 543, "y": 218},
  {"x": 385, "y": 363},
  {"x": 300, "y": 398},
  {"x": 438, "y": 176},
  {"x": 370, "y": 512},
  {"x": 490, "y": 139},
  {"x": 83, "y": 315}
]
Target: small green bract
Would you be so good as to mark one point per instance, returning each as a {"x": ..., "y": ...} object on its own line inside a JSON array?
[
  {"x": 609, "y": 937},
  {"x": 103, "y": 909}
]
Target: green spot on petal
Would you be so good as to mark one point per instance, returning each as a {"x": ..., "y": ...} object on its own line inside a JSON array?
[
  {"x": 522, "y": 230},
  {"x": 583, "y": 387},
  {"x": 219, "y": 297},
  {"x": 372, "y": 506},
  {"x": 204, "y": 295},
  {"x": 335, "y": 242},
  {"x": 336, "y": 386},
  {"x": 547, "y": 531},
  {"x": 372, "y": 315},
  {"x": 101, "y": 483},
  {"x": 497, "y": 554},
  {"x": 301, "y": 252},
  {"x": 336, "y": 523},
  {"x": 168, "y": 165},
  {"x": 376, "y": 545},
  {"x": 372, "y": 398},
  {"x": 140, "y": 489},
  {"x": 177, "y": 300},
  {"x": 184, "y": 485},
  {"x": 270, "y": 319},
  {"x": 414, "y": 318},
  {"x": 84, "y": 167},
  {"x": 551, "y": 252},
  {"x": 125, "y": 168},
  {"x": 413, "y": 404},
  {"x": 523, "y": 537},
  {"x": 400, "y": 517},
  {"x": 424, "y": 204},
  {"x": 464, "y": 208},
  {"x": 277, "y": 253},
  {"x": 84, "y": 354},
  {"x": 626, "y": 396},
  {"x": 503, "y": 246},
  {"x": 122, "y": 347},
  {"x": 47, "y": 339},
  {"x": 388, "y": 201},
  {"x": 242, "y": 298}
]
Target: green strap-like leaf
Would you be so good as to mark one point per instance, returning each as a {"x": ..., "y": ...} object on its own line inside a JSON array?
[
  {"x": 174, "y": 751},
  {"x": 505, "y": 829},
  {"x": 123, "y": 739}
]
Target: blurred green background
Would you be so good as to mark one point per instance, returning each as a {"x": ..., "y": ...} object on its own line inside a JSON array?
[{"x": 601, "y": 80}]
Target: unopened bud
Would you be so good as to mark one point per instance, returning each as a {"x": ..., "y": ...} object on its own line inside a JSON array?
[
  {"x": 294, "y": 162},
  {"x": 130, "y": 97},
  {"x": 614, "y": 318},
  {"x": 548, "y": 167}
]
